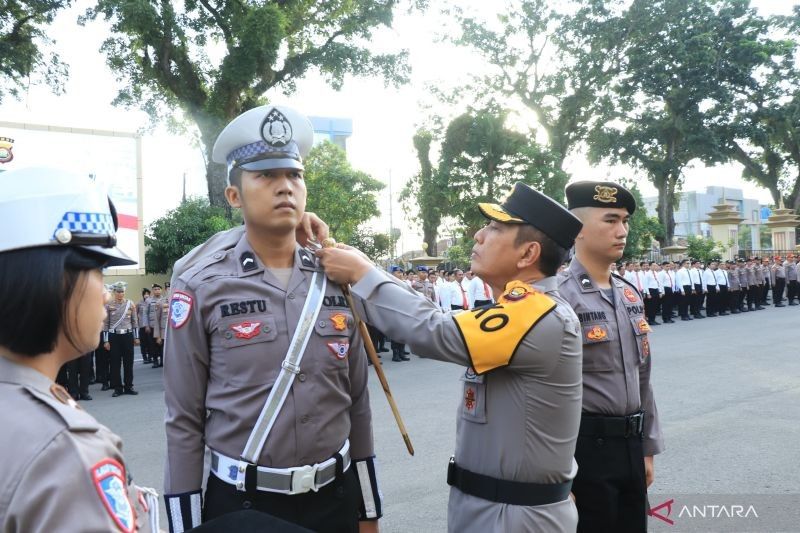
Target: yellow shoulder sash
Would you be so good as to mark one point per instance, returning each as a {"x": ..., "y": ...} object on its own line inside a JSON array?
[{"x": 493, "y": 334}]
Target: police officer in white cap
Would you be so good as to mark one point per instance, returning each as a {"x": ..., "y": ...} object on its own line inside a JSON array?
[
  {"x": 61, "y": 469},
  {"x": 263, "y": 364}
]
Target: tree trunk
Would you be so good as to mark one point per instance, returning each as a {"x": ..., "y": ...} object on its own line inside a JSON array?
[
  {"x": 429, "y": 237},
  {"x": 666, "y": 214}
]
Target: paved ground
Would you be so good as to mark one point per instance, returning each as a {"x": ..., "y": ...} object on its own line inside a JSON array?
[{"x": 727, "y": 390}]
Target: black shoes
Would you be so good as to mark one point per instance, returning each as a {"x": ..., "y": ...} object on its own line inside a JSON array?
[
  {"x": 105, "y": 387},
  {"x": 131, "y": 392},
  {"x": 116, "y": 394}
]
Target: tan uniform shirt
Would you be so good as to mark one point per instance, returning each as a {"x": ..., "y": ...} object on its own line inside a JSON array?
[
  {"x": 159, "y": 311},
  {"x": 425, "y": 288},
  {"x": 517, "y": 422},
  {"x": 616, "y": 351},
  {"x": 142, "y": 312},
  {"x": 752, "y": 280},
  {"x": 121, "y": 316},
  {"x": 733, "y": 279},
  {"x": 223, "y": 356},
  {"x": 791, "y": 270},
  {"x": 61, "y": 469}
]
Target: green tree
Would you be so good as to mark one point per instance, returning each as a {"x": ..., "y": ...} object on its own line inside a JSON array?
[
  {"x": 642, "y": 228},
  {"x": 26, "y": 52},
  {"x": 458, "y": 254},
  {"x": 481, "y": 159},
  {"x": 339, "y": 194},
  {"x": 427, "y": 191},
  {"x": 377, "y": 246},
  {"x": 556, "y": 62},
  {"x": 683, "y": 61},
  {"x": 702, "y": 248},
  {"x": 214, "y": 59},
  {"x": 172, "y": 236}
]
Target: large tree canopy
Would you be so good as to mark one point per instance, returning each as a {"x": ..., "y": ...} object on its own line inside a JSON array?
[
  {"x": 214, "y": 59},
  {"x": 26, "y": 53}
]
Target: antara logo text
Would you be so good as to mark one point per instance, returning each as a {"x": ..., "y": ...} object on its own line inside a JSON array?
[{"x": 663, "y": 511}]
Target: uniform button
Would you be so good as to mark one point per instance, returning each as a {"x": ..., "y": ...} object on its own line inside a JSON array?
[
  {"x": 217, "y": 255},
  {"x": 241, "y": 469},
  {"x": 240, "y": 485},
  {"x": 301, "y": 377},
  {"x": 291, "y": 296},
  {"x": 247, "y": 504},
  {"x": 322, "y": 323},
  {"x": 600, "y": 442},
  {"x": 228, "y": 334},
  {"x": 265, "y": 329},
  {"x": 304, "y": 419}
]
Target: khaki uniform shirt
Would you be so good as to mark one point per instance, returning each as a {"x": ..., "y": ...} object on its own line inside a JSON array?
[
  {"x": 223, "y": 356},
  {"x": 159, "y": 311},
  {"x": 142, "y": 312},
  {"x": 121, "y": 315},
  {"x": 426, "y": 288},
  {"x": 733, "y": 279},
  {"x": 778, "y": 271},
  {"x": 616, "y": 351},
  {"x": 791, "y": 270},
  {"x": 751, "y": 276},
  {"x": 518, "y": 422},
  {"x": 61, "y": 469}
]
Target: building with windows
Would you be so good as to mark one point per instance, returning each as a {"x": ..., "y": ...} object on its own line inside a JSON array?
[
  {"x": 691, "y": 214},
  {"x": 335, "y": 130}
]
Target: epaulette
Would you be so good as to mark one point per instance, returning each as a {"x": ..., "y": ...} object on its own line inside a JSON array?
[
  {"x": 75, "y": 418},
  {"x": 196, "y": 271}
]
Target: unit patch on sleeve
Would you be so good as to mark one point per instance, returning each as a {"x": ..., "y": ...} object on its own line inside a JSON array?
[
  {"x": 109, "y": 480},
  {"x": 493, "y": 333},
  {"x": 180, "y": 309}
]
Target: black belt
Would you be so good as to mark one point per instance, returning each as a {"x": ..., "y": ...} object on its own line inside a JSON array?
[
  {"x": 504, "y": 491},
  {"x": 612, "y": 426}
]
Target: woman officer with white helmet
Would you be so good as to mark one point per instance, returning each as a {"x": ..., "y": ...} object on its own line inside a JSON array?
[{"x": 61, "y": 469}]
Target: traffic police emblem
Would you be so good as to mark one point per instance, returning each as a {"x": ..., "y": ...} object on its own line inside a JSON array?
[
  {"x": 276, "y": 130},
  {"x": 246, "y": 330},
  {"x": 339, "y": 349},
  {"x": 109, "y": 480},
  {"x": 180, "y": 309}
]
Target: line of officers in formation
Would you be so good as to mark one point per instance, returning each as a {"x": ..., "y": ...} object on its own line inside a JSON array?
[
  {"x": 127, "y": 324},
  {"x": 720, "y": 287},
  {"x": 452, "y": 290}
]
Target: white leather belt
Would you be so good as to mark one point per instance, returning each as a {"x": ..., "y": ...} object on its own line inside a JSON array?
[
  {"x": 295, "y": 480},
  {"x": 121, "y": 331}
]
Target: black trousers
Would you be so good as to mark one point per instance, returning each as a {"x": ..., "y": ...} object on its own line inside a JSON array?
[
  {"x": 610, "y": 488},
  {"x": 145, "y": 342},
  {"x": 711, "y": 300},
  {"x": 793, "y": 292},
  {"x": 102, "y": 364},
  {"x": 698, "y": 298},
  {"x": 378, "y": 339},
  {"x": 652, "y": 304},
  {"x": 156, "y": 351},
  {"x": 121, "y": 355},
  {"x": 666, "y": 304},
  {"x": 752, "y": 296},
  {"x": 735, "y": 296},
  {"x": 686, "y": 301},
  {"x": 764, "y": 292},
  {"x": 79, "y": 372},
  {"x": 723, "y": 300},
  {"x": 333, "y": 509}
]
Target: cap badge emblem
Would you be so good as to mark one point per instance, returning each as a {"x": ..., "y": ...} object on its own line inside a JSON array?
[
  {"x": 6, "y": 144},
  {"x": 607, "y": 195},
  {"x": 276, "y": 130}
]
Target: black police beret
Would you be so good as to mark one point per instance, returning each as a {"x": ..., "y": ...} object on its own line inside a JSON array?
[
  {"x": 527, "y": 206},
  {"x": 599, "y": 194},
  {"x": 155, "y": 286}
]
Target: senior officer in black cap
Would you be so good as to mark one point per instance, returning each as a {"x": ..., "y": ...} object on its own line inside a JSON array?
[
  {"x": 263, "y": 365},
  {"x": 620, "y": 431},
  {"x": 519, "y": 413}
]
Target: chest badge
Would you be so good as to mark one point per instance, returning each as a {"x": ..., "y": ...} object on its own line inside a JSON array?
[
  {"x": 339, "y": 321},
  {"x": 339, "y": 349},
  {"x": 644, "y": 327},
  {"x": 645, "y": 348},
  {"x": 469, "y": 399},
  {"x": 246, "y": 330},
  {"x": 630, "y": 295},
  {"x": 597, "y": 333}
]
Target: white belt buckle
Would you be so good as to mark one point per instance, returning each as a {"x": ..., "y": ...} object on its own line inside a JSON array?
[{"x": 303, "y": 479}]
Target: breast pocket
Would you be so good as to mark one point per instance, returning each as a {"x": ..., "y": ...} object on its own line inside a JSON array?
[
  {"x": 246, "y": 347},
  {"x": 598, "y": 348},
  {"x": 473, "y": 401},
  {"x": 334, "y": 329}
]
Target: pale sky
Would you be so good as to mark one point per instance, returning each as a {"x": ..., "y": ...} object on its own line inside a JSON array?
[{"x": 384, "y": 119}]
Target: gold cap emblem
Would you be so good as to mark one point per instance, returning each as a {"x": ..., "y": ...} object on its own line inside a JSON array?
[{"x": 605, "y": 194}]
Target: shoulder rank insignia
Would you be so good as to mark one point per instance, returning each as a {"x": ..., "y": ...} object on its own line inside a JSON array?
[
  {"x": 109, "y": 480},
  {"x": 492, "y": 334},
  {"x": 180, "y": 309}
]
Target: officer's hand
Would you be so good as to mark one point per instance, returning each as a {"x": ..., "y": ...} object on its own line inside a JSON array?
[
  {"x": 147, "y": 329},
  {"x": 649, "y": 470},
  {"x": 136, "y": 342},
  {"x": 159, "y": 340},
  {"x": 107, "y": 346},
  {"x": 368, "y": 526},
  {"x": 344, "y": 264},
  {"x": 311, "y": 226}
]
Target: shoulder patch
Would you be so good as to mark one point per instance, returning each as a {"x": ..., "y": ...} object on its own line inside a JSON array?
[
  {"x": 180, "y": 309},
  {"x": 108, "y": 477},
  {"x": 493, "y": 333}
]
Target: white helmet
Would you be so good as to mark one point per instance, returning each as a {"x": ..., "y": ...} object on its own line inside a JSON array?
[{"x": 51, "y": 207}]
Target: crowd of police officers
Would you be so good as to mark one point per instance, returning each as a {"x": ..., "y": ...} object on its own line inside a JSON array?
[
  {"x": 126, "y": 325},
  {"x": 686, "y": 288}
]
